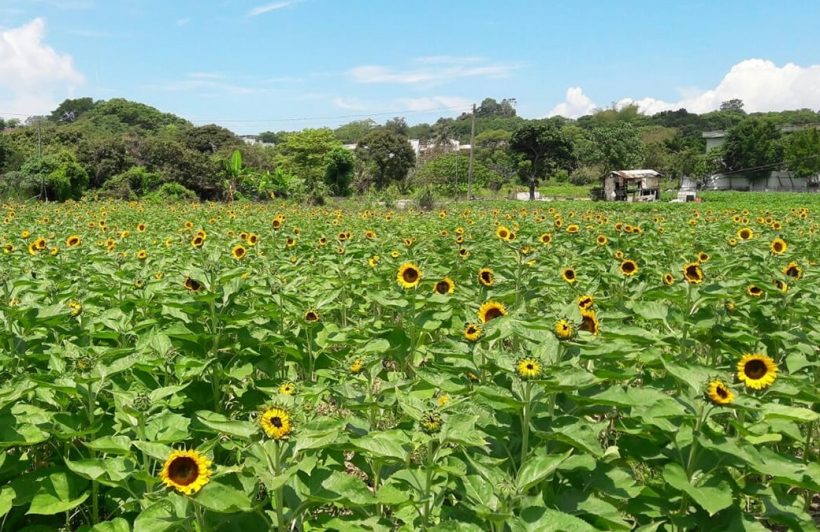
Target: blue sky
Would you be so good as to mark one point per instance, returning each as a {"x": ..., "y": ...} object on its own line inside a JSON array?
[{"x": 271, "y": 65}]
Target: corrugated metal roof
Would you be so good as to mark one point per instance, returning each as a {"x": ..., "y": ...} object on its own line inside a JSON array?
[{"x": 636, "y": 174}]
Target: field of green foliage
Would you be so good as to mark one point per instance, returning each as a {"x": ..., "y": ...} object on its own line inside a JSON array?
[{"x": 521, "y": 367}]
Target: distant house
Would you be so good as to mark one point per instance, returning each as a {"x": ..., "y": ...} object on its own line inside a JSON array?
[
  {"x": 255, "y": 140},
  {"x": 778, "y": 180},
  {"x": 427, "y": 147},
  {"x": 631, "y": 185}
]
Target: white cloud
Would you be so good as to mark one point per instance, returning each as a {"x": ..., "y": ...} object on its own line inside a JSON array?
[
  {"x": 33, "y": 76},
  {"x": 267, "y": 8},
  {"x": 183, "y": 21},
  {"x": 350, "y": 104},
  {"x": 575, "y": 104},
  {"x": 761, "y": 84},
  {"x": 441, "y": 69},
  {"x": 431, "y": 103},
  {"x": 207, "y": 83}
]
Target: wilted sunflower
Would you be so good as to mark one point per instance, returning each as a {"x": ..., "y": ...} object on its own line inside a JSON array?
[
  {"x": 693, "y": 273},
  {"x": 793, "y": 270},
  {"x": 491, "y": 310},
  {"x": 756, "y": 371},
  {"x": 589, "y": 321},
  {"x": 745, "y": 233},
  {"x": 472, "y": 332},
  {"x": 192, "y": 284},
  {"x": 568, "y": 274},
  {"x": 73, "y": 241},
  {"x": 585, "y": 301},
  {"x": 311, "y": 316},
  {"x": 719, "y": 393},
  {"x": 430, "y": 422},
  {"x": 563, "y": 330},
  {"x": 668, "y": 279},
  {"x": 629, "y": 268},
  {"x": 409, "y": 275},
  {"x": 445, "y": 286},
  {"x": 186, "y": 471},
  {"x": 238, "y": 252},
  {"x": 276, "y": 422},
  {"x": 778, "y": 246},
  {"x": 754, "y": 290},
  {"x": 486, "y": 277},
  {"x": 528, "y": 368}
]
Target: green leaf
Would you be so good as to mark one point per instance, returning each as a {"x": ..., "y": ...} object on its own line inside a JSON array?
[
  {"x": 387, "y": 444},
  {"x": 538, "y": 468},
  {"x": 336, "y": 487},
  {"x": 117, "y": 525},
  {"x": 541, "y": 519},
  {"x": 219, "y": 423},
  {"x": 776, "y": 410},
  {"x": 220, "y": 496},
  {"x": 57, "y": 493},
  {"x": 7, "y": 495},
  {"x": 711, "y": 498}
]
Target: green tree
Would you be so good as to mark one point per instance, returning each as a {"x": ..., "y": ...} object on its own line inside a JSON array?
[
  {"x": 386, "y": 156},
  {"x": 397, "y": 125},
  {"x": 104, "y": 157},
  {"x": 55, "y": 177},
  {"x": 492, "y": 149},
  {"x": 544, "y": 149},
  {"x": 304, "y": 153},
  {"x": 448, "y": 172},
  {"x": 617, "y": 146},
  {"x": 271, "y": 137},
  {"x": 802, "y": 152},
  {"x": 339, "y": 171},
  {"x": 71, "y": 109},
  {"x": 210, "y": 139},
  {"x": 753, "y": 147},
  {"x": 353, "y": 132}
]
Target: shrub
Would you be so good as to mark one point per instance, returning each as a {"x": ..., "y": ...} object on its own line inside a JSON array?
[{"x": 171, "y": 192}]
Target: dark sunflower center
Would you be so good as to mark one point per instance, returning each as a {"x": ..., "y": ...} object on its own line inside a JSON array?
[
  {"x": 276, "y": 421},
  {"x": 493, "y": 313},
  {"x": 628, "y": 267},
  {"x": 692, "y": 272},
  {"x": 487, "y": 277},
  {"x": 721, "y": 391},
  {"x": 442, "y": 287},
  {"x": 755, "y": 369},
  {"x": 240, "y": 252},
  {"x": 503, "y": 234},
  {"x": 471, "y": 330},
  {"x": 569, "y": 274},
  {"x": 410, "y": 275},
  {"x": 530, "y": 366},
  {"x": 778, "y": 246},
  {"x": 183, "y": 470},
  {"x": 792, "y": 271},
  {"x": 311, "y": 316}
]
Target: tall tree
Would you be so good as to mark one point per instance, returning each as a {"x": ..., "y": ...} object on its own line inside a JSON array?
[
  {"x": 802, "y": 152},
  {"x": 753, "y": 147},
  {"x": 616, "y": 146},
  {"x": 353, "y": 132},
  {"x": 387, "y": 156},
  {"x": 397, "y": 125},
  {"x": 304, "y": 153},
  {"x": 545, "y": 149},
  {"x": 71, "y": 109}
]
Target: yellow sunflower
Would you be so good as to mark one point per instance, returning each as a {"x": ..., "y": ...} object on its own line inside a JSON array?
[
  {"x": 745, "y": 233},
  {"x": 142, "y": 254},
  {"x": 276, "y": 422},
  {"x": 238, "y": 252},
  {"x": 409, "y": 275},
  {"x": 445, "y": 286},
  {"x": 486, "y": 277},
  {"x": 430, "y": 422},
  {"x": 192, "y": 284},
  {"x": 589, "y": 321},
  {"x": 463, "y": 253},
  {"x": 756, "y": 371},
  {"x": 563, "y": 330},
  {"x": 703, "y": 257},
  {"x": 528, "y": 368},
  {"x": 793, "y": 270},
  {"x": 197, "y": 241},
  {"x": 356, "y": 366},
  {"x": 719, "y": 393},
  {"x": 629, "y": 268},
  {"x": 373, "y": 261},
  {"x": 585, "y": 301},
  {"x": 754, "y": 290},
  {"x": 502, "y": 232},
  {"x": 186, "y": 471},
  {"x": 472, "y": 332},
  {"x": 781, "y": 286},
  {"x": 778, "y": 246},
  {"x": 75, "y": 308},
  {"x": 545, "y": 238},
  {"x": 693, "y": 273},
  {"x": 491, "y": 310},
  {"x": 601, "y": 240},
  {"x": 311, "y": 316},
  {"x": 568, "y": 274},
  {"x": 287, "y": 388},
  {"x": 73, "y": 241}
]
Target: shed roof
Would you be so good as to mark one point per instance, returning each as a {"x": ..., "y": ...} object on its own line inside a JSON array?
[{"x": 635, "y": 174}]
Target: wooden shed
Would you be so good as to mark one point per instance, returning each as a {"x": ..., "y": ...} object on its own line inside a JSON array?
[{"x": 631, "y": 185}]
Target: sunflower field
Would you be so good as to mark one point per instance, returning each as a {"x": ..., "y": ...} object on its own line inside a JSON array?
[{"x": 567, "y": 366}]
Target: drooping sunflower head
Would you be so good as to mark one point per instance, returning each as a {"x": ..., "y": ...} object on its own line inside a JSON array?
[
  {"x": 745, "y": 233},
  {"x": 311, "y": 316},
  {"x": 73, "y": 241},
  {"x": 409, "y": 275},
  {"x": 585, "y": 301},
  {"x": 491, "y": 310},
  {"x": 445, "y": 286},
  {"x": 756, "y": 371},
  {"x": 528, "y": 368},
  {"x": 693, "y": 273},
  {"x": 629, "y": 268},
  {"x": 238, "y": 252},
  {"x": 276, "y": 422},
  {"x": 589, "y": 321},
  {"x": 430, "y": 422},
  {"x": 472, "y": 332},
  {"x": 486, "y": 276},
  {"x": 186, "y": 471},
  {"x": 563, "y": 329},
  {"x": 782, "y": 287},
  {"x": 668, "y": 279},
  {"x": 719, "y": 393},
  {"x": 287, "y": 388},
  {"x": 568, "y": 274},
  {"x": 754, "y": 291},
  {"x": 793, "y": 270},
  {"x": 778, "y": 246}
]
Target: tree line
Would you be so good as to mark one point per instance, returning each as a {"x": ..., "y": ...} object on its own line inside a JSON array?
[{"x": 127, "y": 150}]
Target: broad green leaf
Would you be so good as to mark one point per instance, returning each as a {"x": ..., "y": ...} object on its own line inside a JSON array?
[
  {"x": 221, "y": 424},
  {"x": 219, "y": 496},
  {"x": 386, "y": 444},
  {"x": 57, "y": 493},
  {"x": 538, "y": 468},
  {"x": 711, "y": 498}
]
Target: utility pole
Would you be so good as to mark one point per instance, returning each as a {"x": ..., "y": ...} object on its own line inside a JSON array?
[{"x": 470, "y": 168}]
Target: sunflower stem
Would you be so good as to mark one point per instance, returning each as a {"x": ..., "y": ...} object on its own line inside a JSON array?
[
  {"x": 428, "y": 484},
  {"x": 278, "y": 495},
  {"x": 526, "y": 412}
]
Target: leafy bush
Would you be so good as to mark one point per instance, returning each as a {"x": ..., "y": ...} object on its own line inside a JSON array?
[
  {"x": 426, "y": 198},
  {"x": 130, "y": 184},
  {"x": 52, "y": 177},
  {"x": 171, "y": 192}
]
